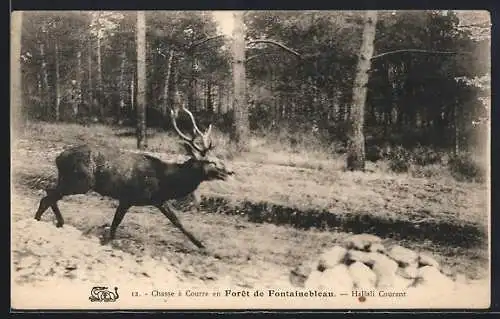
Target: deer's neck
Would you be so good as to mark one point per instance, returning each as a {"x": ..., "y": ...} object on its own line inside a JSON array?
[
  {"x": 193, "y": 177},
  {"x": 185, "y": 180}
]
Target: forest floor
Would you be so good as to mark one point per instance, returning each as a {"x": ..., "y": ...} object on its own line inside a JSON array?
[{"x": 281, "y": 208}]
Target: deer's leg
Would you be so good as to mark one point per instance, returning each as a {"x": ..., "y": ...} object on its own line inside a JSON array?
[
  {"x": 74, "y": 185},
  {"x": 119, "y": 214},
  {"x": 169, "y": 213},
  {"x": 196, "y": 201},
  {"x": 53, "y": 195},
  {"x": 57, "y": 212}
]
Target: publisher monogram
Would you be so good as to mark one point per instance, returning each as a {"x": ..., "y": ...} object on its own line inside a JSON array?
[{"x": 102, "y": 294}]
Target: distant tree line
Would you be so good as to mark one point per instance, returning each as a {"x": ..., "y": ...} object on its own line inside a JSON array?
[{"x": 81, "y": 66}]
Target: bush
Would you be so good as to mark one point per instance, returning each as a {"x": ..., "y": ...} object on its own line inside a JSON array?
[
  {"x": 375, "y": 153},
  {"x": 428, "y": 171},
  {"x": 260, "y": 118},
  {"x": 400, "y": 160},
  {"x": 426, "y": 156},
  {"x": 464, "y": 168},
  {"x": 224, "y": 122}
]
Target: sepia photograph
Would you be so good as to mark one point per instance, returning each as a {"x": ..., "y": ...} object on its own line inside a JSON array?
[{"x": 239, "y": 160}]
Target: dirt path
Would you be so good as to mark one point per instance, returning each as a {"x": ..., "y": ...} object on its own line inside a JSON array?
[
  {"x": 249, "y": 253},
  {"x": 152, "y": 254},
  {"x": 234, "y": 248}
]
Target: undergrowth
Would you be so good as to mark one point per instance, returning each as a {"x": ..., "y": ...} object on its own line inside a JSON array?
[{"x": 287, "y": 147}]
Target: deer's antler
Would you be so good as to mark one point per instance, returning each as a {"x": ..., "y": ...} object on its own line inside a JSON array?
[
  {"x": 207, "y": 142},
  {"x": 205, "y": 136}
]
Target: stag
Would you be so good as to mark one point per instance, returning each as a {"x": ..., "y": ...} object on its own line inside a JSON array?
[{"x": 135, "y": 179}]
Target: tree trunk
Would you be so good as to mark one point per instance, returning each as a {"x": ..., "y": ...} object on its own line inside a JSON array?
[
  {"x": 343, "y": 114},
  {"x": 173, "y": 95},
  {"x": 192, "y": 87},
  {"x": 58, "y": 88},
  {"x": 240, "y": 125},
  {"x": 208, "y": 96},
  {"x": 218, "y": 99},
  {"x": 77, "y": 99},
  {"x": 39, "y": 86},
  {"x": 141, "y": 80},
  {"x": 223, "y": 107},
  {"x": 356, "y": 149},
  {"x": 16, "y": 93},
  {"x": 90, "y": 87},
  {"x": 132, "y": 92},
  {"x": 457, "y": 130},
  {"x": 122, "y": 86},
  {"x": 202, "y": 87},
  {"x": 190, "y": 79},
  {"x": 100, "y": 96},
  {"x": 167, "y": 96},
  {"x": 45, "y": 79}
]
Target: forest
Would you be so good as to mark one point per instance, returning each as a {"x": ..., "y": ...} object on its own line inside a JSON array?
[{"x": 427, "y": 86}]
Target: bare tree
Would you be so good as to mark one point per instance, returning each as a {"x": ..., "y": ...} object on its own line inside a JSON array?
[
  {"x": 240, "y": 126},
  {"x": 141, "y": 80},
  {"x": 356, "y": 149},
  {"x": 45, "y": 76},
  {"x": 57, "y": 84},
  {"x": 16, "y": 101},
  {"x": 79, "y": 72},
  {"x": 100, "y": 90},
  {"x": 90, "y": 87},
  {"x": 121, "y": 85},
  {"x": 167, "y": 94}
]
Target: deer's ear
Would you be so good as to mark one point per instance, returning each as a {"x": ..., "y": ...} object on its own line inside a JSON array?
[{"x": 190, "y": 151}]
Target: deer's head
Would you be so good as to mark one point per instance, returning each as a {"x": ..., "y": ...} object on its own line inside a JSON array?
[{"x": 211, "y": 167}]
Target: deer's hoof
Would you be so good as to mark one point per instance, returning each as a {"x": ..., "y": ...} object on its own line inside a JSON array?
[
  {"x": 204, "y": 251},
  {"x": 105, "y": 240},
  {"x": 59, "y": 224}
]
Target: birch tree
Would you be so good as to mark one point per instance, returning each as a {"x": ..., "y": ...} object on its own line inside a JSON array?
[
  {"x": 141, "y": 80},
  {"x": 240, "y": 126},
  {"x": 16, "y": 102},
  {"x": 356, "y": 144}
]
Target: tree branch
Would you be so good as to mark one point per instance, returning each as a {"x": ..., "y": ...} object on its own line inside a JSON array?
[
  {"x": 252, "y": 57},
  {"x": 484, "y": 24},
  {"x": 205, "y": 40},
  {"x": 284, "y": 47},
  {"x": 414, "y": 51}
]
